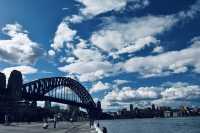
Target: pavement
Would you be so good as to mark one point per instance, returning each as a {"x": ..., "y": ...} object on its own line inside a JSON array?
[{"x": 62, "y": 127}]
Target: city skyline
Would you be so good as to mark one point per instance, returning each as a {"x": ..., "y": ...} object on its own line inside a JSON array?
[{"x": 124, "y": 52}]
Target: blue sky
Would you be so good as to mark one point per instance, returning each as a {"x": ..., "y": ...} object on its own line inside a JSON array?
[{"x": 123, "y": 51}]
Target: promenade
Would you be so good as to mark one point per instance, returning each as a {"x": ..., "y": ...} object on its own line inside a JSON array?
[{"x": 62, "y": 127}]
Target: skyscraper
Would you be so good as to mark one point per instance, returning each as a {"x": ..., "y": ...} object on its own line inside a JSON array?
[{"x": 131, "y": 107}]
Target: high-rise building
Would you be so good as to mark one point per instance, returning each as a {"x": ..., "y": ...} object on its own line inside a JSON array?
[
  {"x": 131, "y": 107},
  {"x": 153, "y": 107}
]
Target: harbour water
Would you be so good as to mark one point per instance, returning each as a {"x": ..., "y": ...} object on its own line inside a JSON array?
[{"x": 154, "y": 125}]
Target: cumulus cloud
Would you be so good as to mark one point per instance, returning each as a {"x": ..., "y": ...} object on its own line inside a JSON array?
[
  {"x": 99, "y": 86},
  {"x": 128, "y": 94},
  {"x": 63, "y": 35},
  {"x": 173, "y": 103},
  {"x": 25, "y": 70},
  {"x": 139, "y": 44},
  {"x": 92, "y": 8},
  {"x": 19, "y": 49},
  {"x": 174, "y": 94},
  {"x": 51, "y": 52},
  {"x": 67, "y": 60},
  {"x": 166, "y": 63},
  {"x": 192, "y": 12},
  {"x": 74, "y": 19},
  {"x": 94, "y": 65},
  {"x": 88, "y": 59},
  {"x": 117, "y": 38},
  {"x": 89, "y": 71},
  {"x": 158, "y": 49},
  {"x": 178, "y": 94},
  {"x": 86, "y": 67},
  {"x": 181, "y": 92},
  {"x": 132, "y": 36},
  {"x": 82, "y": 43},
  {"x": 87, "y": 64},
  {"x": 138, "y": 33},
  {"x": 87, "y": 54}
]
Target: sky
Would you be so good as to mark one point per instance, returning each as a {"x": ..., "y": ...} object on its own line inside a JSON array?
[{"x": 138, "y": 52}]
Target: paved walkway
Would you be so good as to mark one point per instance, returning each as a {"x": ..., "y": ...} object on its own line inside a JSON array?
[{"x": 62, "y": 127}]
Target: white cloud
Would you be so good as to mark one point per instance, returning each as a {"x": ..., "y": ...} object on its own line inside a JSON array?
[
  {"x": 86, "y": 67},
  {"x": 92, "y": 76},
  {"x": 132, "y": 36},
  {"x": 127, "y": 95},
  {"x": 63, "y": 35},
  {"x": 100, "y": 6},
  {"x": 67, "y": 60},
  {"x": 51, "y": 52},
  {"x": 181, "y": 92},
  {"x": 20, "y": 49},
  {"x": 117, "y": 38},
  {"x": 173, "y": 94},
  {"x": 99, "y": 86},
  {"x": 74, "y": 19},
  {"x": 89, "y": 71},
  {"x": 178, "y": 94},
  {"x": 13, "y": 29},
  {"x": 25, "y": 70},
  {"x": 194, "y": 10},
  {"x": 107, "y": 40},
  {"x": 92, "y": 8},
  {"x": 158, "y": 49},
  {"x": 172, "y": 103},
  {"x": 87, "y": 54},
  {"x": 166, "y": 63},
  {"x": 139, "y": 44},
  {"x": 82, "y": 43},
  {"x": 120, "y": 82},
  {"x": 65, "y": 8}
]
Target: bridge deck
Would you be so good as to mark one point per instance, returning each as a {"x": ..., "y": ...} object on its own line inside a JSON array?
[{"x": 62, "y": 127}]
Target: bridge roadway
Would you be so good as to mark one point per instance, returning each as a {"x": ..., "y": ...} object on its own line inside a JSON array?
[{"x": 62, "y": 127}]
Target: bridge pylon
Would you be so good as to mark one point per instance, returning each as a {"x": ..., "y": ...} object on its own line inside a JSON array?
[
  {"x": 2, "y": 84},
  {"x": 15, "y": 83}
]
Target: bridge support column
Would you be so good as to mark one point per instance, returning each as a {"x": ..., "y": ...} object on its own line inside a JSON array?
[
  {"x": 15, "y": 83},
  {"x": 2, "y": 85},
  {"x": 12, "y": 94}
]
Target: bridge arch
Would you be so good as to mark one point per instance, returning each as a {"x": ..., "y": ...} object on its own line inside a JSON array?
[{"x": 36, "y": 90}]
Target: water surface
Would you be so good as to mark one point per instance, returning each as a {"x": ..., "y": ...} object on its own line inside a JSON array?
[{"x": 154, "y": 125}]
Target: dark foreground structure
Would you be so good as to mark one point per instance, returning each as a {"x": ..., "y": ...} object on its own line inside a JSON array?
[{"x": 18, "y": 101}]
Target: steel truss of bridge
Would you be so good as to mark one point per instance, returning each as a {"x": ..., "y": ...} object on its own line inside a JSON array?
[{"x": 55, "y": 89}]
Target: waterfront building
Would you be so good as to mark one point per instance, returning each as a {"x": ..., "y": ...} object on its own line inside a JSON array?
[
  {"x": 167, "y": 114},
  {"x": 175, "y": 114}
]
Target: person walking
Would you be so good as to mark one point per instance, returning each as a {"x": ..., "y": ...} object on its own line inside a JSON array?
[
  {"x": 104, "y": 130},
  {"x": 45, "y": 125},
  {"x": 6, "y": 119},
  {"x": 54, "y": 121}
]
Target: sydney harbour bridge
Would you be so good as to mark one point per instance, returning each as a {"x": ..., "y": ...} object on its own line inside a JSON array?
[{"x": 55, "y": 89}]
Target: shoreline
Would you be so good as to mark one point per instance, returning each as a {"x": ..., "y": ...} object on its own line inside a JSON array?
[
  {"x": 36, "y": 127},
  {"x": 151, "y": 118}
]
